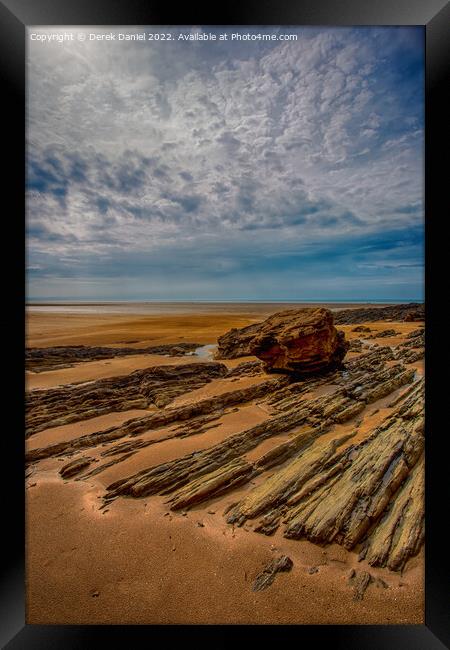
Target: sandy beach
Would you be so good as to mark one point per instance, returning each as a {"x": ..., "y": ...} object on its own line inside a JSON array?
[{"x": 135, "y": 560}]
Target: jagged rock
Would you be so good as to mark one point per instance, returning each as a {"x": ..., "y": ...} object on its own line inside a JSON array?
[
  {"x": 402, "y": 531},
  {"x": 415, "y": 333},
  {"x": 296, "y": 340},
  {"x": 40, "y": 359},
  {"x": 136, "y": 426},
  {"x": 75, "y": 466},
  {"x": 360, "y": 582},
  {"x": 169, "y": 477},
  {"x": 383, "y": 333},
  {"x": 416, "y": 341},
  {"x": 269, "y": 523},
  {"x": 299, "y": 340},
  {"x": 267, "y": 575},
  {"x": 213, "y": 483},
  {"x": 247, "y": 369},
  {"x": 177, "y": 351},
  {"x": 412, "y": 316},
  {"x": 236, "y": 342},
  {"x": 367, "y": 314},
  {"x": 361, "y": 328},
  {"x": 344, "y": 508},
  {"x": 282, "y": 484},
  {"x": 185, "y": 471},
  {"x": 140, "y": 389},
  {"x": 309, "y": 481}
]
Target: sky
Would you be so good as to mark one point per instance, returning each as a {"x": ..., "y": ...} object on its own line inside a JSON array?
[{"x": 226, "y": 170}]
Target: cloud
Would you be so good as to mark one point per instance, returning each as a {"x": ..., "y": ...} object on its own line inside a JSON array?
[{"x": 169, "y": 163}]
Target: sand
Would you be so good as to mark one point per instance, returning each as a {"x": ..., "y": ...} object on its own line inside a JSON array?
[{"x": 135, "y": 562}]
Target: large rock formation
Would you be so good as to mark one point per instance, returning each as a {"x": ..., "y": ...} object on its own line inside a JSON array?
[
  {"x": 361, "y": 485},
  {"x": 296, "y": 340},
  {"x": 237, "y": 342},
  {"x": 300, "y": 340}
]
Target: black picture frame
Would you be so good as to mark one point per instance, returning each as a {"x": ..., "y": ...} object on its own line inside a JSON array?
[{"x": 434, "y": 15}]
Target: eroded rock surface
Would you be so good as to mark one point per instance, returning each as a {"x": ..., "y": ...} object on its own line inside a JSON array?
[
  {"x": 320, "y": 473},
  {"x": 268, "y": 574},
  {"x": 391, "y": 312},
  {"x": 299, "y": 341},
  {"x": 40, "y": 359},
  {"x": 237, "y": 342},
  {"x": 75, "y": 466},
  {"x": 156, "y": 386}
]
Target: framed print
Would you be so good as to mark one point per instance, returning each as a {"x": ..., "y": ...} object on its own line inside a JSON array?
[{"x": 230, "y": 269}]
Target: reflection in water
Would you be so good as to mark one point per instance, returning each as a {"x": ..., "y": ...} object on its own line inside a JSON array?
[{"x": 205, "y": 351}]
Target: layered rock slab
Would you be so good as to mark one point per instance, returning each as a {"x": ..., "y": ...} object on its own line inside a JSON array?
[{"x": 155, "y": 386}]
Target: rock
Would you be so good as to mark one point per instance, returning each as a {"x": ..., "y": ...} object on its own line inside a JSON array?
[
  {"x": 412, "y": 316},
  {"x": 40, "y": 359},
  {"x": 366, "y": 496},
  {"x": 368, "y": 314},
  {"x": 269, "y": 524},
  {"x": 157, "y": 385},
  {"x": 162, "y": 418},
  {"x": 236, "y": 342},
  {"x": 355, "y": 345},
  {"x": 377, "y": 466},
  {"x": 301, "y": 341},
  {"x": 383, "y": 334},
  {"x": 361, "y": 328},
  {"x": 415, "y": 333},
  {"x": 267, "y": 576},
  {"x": 177, "y": 351},
  {"x": 361, "y": 581},
  {"x": 75, "y": 466},
  {"x": 401, "y": 533},
  {"x": 246, "y": 369},
  {"x": 381, "y": 583}
]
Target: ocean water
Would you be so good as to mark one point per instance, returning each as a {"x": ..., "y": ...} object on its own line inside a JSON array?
[{"x": 200, "y": 307}]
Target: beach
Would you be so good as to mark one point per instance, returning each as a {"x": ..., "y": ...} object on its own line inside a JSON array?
[{"x": 97, "y": 553}]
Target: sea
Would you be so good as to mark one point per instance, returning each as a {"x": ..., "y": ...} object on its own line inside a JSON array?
[{"x": 191, "y": 307}]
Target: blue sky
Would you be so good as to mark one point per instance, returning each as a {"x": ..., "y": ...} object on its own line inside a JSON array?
[{"x": 227, "y": 171}]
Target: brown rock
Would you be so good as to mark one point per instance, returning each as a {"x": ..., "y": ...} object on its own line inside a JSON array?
[
  {"x": 368, "y": 314},
  {"x": 267, "y": 575},
  {"x": 413, "y": 316},
  {"x": 75, "y": 466},
  {"x": 236, "y": 342},
  {"x": 300, "y": 340}
]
